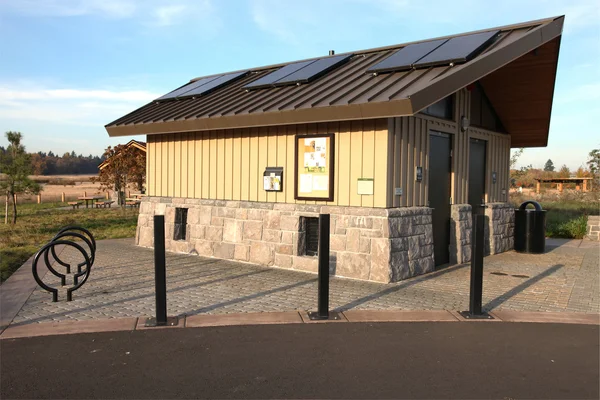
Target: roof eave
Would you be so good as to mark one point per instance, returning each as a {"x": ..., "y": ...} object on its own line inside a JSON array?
[{"x": 395, "y": 108}]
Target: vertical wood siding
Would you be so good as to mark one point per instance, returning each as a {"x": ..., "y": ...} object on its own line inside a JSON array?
[
  {"x": 229, "y": 164},
  {"x": 409, "y": 148}
]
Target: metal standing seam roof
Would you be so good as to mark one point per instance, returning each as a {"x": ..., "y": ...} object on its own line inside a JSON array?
[{"x": 347, "y": 92}]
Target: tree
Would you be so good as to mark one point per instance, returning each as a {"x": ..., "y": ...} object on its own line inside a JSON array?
[
  {"x": 564, "y": 172},
  {"x": 549, "y": 166},
  {"x": 15, "y": 163},
  {"x": 515, "y": 157},
  {"x": 594, "y": 161},
  {"x": 125, "y": 166}
]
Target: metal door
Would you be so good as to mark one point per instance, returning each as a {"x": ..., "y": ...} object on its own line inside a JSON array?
[
  {"x": 440, "y": 147},
  {"x": 477, "y": 175}
]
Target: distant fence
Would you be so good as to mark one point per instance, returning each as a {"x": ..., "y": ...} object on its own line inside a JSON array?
[{"x": 53, "y": 198}]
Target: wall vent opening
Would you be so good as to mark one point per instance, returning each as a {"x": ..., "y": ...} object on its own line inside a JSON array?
[{"x": 179, "y": 233}]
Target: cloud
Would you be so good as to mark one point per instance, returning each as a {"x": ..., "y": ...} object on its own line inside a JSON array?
[
  {"x": 166, "y": 16},
  {"x": 74, "y": 106},
  {"x": 156, "y": 13}
]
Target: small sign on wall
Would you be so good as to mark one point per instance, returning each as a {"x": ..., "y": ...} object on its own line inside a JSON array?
[
  {"x": 494, "y": 177},
  {"x": 419, "y": 174},
  {"x": 365, "y": 186},
  {"x": 273, "y": 179},
  {"x": 398, "y": 191}
]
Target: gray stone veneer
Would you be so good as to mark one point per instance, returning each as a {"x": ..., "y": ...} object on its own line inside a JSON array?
[
  {"x": 383, "y": 245},
  {"x": 461, "y": 223},
  {"x": 593, "y": 227},
  {"x": 501, "y": 225}
]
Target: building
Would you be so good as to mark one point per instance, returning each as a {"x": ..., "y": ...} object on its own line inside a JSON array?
[{"x": 399, "y": 144}]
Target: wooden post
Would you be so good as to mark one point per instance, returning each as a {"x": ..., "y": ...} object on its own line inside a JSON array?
[
  {"x": 585, "y": 185},
  {"x": 107, "y": 197},
  {"x": 560, "y": 187},
  {"x": 39, "y": 199},
  {"x": 84, "y": 194},
  {"x": 62, "y": 197},
  {"x": 537, "y": 187}
]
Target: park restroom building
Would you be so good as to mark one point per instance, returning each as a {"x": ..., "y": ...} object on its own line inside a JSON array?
[{"x": 401, "y": 145}]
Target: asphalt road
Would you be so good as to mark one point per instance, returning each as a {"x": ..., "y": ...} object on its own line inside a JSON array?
[{"x": 386, "y": 360}]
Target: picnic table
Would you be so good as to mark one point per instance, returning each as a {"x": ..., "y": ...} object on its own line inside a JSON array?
[
  {"x": 90, "y": 198},
  {"x": 132, "y": 201}
]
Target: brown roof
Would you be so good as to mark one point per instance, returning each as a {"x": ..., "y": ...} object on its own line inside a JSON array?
[{"x": 349, "y": 93}]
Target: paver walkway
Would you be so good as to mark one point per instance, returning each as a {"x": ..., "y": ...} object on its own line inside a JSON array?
[{"x": 122, "y": 285}]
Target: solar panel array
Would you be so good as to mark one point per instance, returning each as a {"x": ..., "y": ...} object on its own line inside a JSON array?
[
  {"x": 203, "y": 86},
  {"x": 456, "y": 50},
  {"x": 300, "y": 72}
]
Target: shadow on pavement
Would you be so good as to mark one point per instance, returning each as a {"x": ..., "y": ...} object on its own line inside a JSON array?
[{"x": 518, "y": 289}]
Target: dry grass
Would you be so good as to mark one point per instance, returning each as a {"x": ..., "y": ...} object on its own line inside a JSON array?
[{"x": 38, "y": 223}]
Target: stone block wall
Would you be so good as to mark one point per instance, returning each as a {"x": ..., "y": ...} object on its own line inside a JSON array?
[
  {"x": 593, "y": 227},
  {"x": 383, "y": 245},
  {"x": 461, "y": 224},
  {"x": 500, "y": 227}
]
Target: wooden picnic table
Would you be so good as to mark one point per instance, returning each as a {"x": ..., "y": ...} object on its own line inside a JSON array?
[{"x": 90, "y": 198}]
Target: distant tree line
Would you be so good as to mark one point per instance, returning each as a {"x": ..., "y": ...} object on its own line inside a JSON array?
[{"x": 43, "y": 163}]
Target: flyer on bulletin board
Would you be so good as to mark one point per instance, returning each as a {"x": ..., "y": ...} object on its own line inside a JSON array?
[{"x": 314, "y": 155}]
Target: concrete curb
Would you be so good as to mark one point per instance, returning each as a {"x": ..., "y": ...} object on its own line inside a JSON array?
[{"x": 292, "y": 317}]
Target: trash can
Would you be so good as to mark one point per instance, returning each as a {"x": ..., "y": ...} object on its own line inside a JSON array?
[{"x": 530, "y": 228}]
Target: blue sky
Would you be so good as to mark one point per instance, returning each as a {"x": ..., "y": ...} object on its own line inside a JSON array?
[{"x": 71, "y": 66}]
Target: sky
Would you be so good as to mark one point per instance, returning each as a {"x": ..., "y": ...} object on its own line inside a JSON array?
[{"x": 69, "y": 67}]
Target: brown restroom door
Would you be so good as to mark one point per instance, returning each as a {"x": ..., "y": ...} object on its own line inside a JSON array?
[
  {"x": 477, "y": 175},
  {"x": 440, "y": 146}
]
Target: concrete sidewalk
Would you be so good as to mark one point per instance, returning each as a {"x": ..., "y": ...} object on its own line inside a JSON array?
[{"x": 121, "y": 285}]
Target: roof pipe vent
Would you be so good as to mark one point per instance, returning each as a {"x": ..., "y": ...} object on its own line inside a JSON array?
[{"x": 331, "y": 52}]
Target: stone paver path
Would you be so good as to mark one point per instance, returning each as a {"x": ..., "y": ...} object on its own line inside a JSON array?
[{"x": 122, "y": 285}]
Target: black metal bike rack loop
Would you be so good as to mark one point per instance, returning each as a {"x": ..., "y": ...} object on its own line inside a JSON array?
[{"x": 62, "y": 238}]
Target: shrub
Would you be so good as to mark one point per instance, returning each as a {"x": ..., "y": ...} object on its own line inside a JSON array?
[{"x": 563, "y": 225}]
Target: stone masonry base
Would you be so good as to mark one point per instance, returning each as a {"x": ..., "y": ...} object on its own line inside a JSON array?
[
  {"x": 382, "y": 245},
  {"x": 593, "y": 227}
]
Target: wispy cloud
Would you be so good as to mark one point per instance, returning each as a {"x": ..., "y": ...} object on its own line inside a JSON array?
[
  {"x": 157, "y": 13},
  {"x": 84, "y": 107}
]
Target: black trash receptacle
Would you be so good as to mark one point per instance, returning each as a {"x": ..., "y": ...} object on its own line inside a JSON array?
[{"x": 530, "y": 228}]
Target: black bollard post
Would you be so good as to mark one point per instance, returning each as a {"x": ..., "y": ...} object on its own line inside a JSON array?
[
  {"x": 160, "y": 276},
  {"x": 323, "y": 294},
  {"x": 477, "y": 253}
]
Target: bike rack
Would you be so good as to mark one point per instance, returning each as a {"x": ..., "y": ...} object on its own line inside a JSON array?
[{"x": 60, "y": 239}]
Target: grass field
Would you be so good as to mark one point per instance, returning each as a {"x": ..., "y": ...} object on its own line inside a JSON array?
[{"x": 38, "y": 223}]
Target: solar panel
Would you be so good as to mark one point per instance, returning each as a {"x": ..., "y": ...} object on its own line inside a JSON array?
[
  {"x": 214, "y": 84},
  {"x": 459, "y": 49},
  {"x": 404, "y": 58},
  {"x": 186, "y": 88},
  {"x": 313, "y": 70},
  {"x": 270, "y": 79}
]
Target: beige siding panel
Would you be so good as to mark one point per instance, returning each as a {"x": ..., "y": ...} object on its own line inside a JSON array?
[
  {"x": 288, "y": 168},
  {"x": 380, "y": 169},
  {"x": 151, "y": 163},
  {"x": 356, "y": 147},
  {"x": 263, "y": 148},
  {"x": 271, "y": 160},
  {"x": 183, "y": 166},
  {"x": 196, "y": 183},
  {"x": 237, "y": 162},
  {"x": 253, "y": 167},
  {"x": 245, "y": 168},
  {"x": 368, "y": 156},
  {"x": 228, "y": 167},
  {"x": 205, "y": 193},
  {"x": 214, "y": 156},
  {"x": 230, "y": 164},
  {"x": 343, "y": 144}
]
